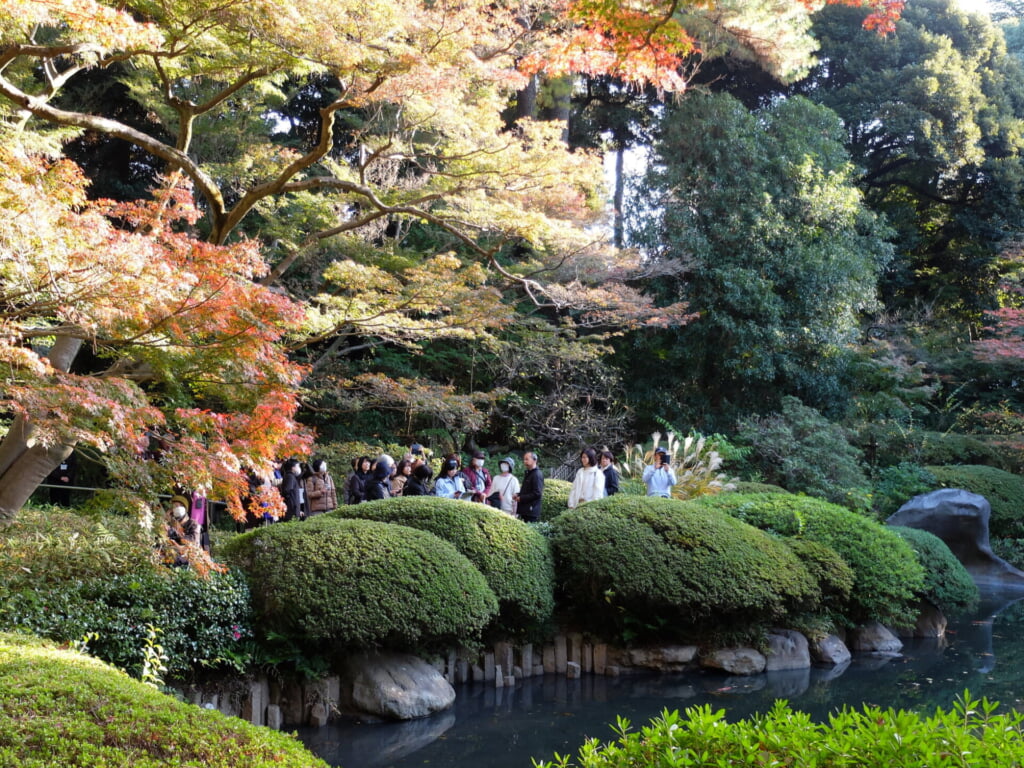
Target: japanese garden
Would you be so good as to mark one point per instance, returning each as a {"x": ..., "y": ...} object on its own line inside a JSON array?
[{"x": 344, "y": 342}]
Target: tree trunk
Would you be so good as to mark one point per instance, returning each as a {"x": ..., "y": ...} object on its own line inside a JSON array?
[
  {"x": 620, "y": 190},
  {"x": 24, "y": 464}
]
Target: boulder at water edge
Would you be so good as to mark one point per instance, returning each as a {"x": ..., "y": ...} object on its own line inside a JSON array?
[
  {"x": 960, "y": 519},
  {"x": 394, "y": 685}
]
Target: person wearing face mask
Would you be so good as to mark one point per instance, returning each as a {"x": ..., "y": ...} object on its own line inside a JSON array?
[
  {"x": 291, "y": 490},
  {"x": 321, "y": 495},
  {"x": 478, "y": 479},
  {"x": 505, "y": 486},
  {"x": 379, "y": 484},
  {"x": 182, "y": 528}
]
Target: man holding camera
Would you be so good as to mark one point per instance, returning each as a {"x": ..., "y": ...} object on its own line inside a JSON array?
[{"x": 660, "y": 477}]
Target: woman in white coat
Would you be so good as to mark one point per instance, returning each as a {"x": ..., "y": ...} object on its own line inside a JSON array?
[{"x": 588, "y": 484}]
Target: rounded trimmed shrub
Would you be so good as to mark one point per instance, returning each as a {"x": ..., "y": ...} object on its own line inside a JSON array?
[
  {"x": 887, "y": 576},
  {"x": 362, "y": 584},
  {"x": 513, "y": 557},
  {"x": 555, "y": 499},
  {"x": 61, "y": 708},
  {"x": 835, "y": 578},
  {"x": 745, "y": 486},
  {"x": 661, "y": 567},
  {"x": 947, "y": 584},
  {"x": 1004, "y": 491}
]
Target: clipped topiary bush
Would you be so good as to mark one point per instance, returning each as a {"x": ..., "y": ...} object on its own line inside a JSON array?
[
  {"x": 652, "y": 567},
  {"x": 60, "y": 708},
  {"x": 513, "y": 557},
  {"x": 555, "y": 500},
  {"x": 362, "y": 584},
  {"x": 1004, "y": 491},
  {"x": 887, "y": 576},
  {"x": 947, "y": 584},
  {"x": 745, "y": 486},
  {"x": 63, "y": 577}
]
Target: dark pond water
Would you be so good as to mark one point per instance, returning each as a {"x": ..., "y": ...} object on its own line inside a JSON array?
[{"x": 505, "y": 728}]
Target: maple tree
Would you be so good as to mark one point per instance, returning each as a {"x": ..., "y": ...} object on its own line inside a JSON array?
[{"x": 186, "y": 323}]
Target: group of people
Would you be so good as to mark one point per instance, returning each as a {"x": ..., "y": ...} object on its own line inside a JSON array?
[
  {"x": 309, "y": 490},
  {"x": 597, "y": 476}
]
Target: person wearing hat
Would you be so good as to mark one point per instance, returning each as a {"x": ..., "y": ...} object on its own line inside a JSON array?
[
  {"x": 450, "y": 484},
  {"x": 505, "y": 487},
  {"x": 182, "y": 527},
  {"x": 660, "y": 477},
  {"x": 478, "y": 479}
]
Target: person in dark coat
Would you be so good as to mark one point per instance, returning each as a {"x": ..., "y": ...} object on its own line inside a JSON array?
[
  {"x": 528, "y": 500},
  {"x": 355, "y": 487},
  {"x": 291, "y": 491},
  {"x": 379, "y": 485},
  {"x": 419, "y": 482},
  {"x": 611, "y": 475},
  {"x": 63, "y": 477}
]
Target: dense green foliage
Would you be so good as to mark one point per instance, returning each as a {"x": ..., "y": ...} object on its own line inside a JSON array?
[
  {"x": 947, "y": 584},
  {"x": 1003, "y": 490},
  {"x": 555, "y": 500},
  {"x": 60, "y": 708},
  {"x": 661, "y": 567},
  {"x": 64, "y": 577},
  {"x": 513, "y": 557},
  {"x": 896, "y": 485},
  {"x": 784, "y": 255},
  {"x": 802, "y": 451},
  {"x": 970, "y": 735},
  {"x": 336, "y": 584},
  {"x": 887, "y": 576}
]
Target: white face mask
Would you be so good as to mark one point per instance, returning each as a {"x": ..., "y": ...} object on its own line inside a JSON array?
[
  {"x": 296, "y": 470},
  {"x": 478, "y": 462},
  {"x": 178, "y": 512}
]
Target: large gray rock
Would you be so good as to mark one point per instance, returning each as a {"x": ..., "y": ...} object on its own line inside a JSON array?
[
  {"x": 830, "y": 650},
  {"x": 875, "y": 638},
  {"x": 960, "y": 519},
  {"x": 787, "y": 649},
  {"x": 736, "y": 661},
  {"x": 394, "y": 685}
]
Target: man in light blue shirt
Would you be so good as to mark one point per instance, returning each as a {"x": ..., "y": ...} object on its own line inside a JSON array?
[{"x": 659, "y": 477}]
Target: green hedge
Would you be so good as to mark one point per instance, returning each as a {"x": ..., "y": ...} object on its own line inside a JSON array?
[
  {"x": 661, "y": 567},
  {"x": 62, "y": 577},
  {"x": 362, "y": 584},
  {"x": 947, "y": 584},
  {"x": 745, "y": 486},
  {"x": 969, "y": 735},
  {"x": 887, "y": 576},
  {"x": 555, "y": 499},
  {"x": 1004, "y": 491},
  {"x": 513, "y": 557},
  {"x": 60, "y": 708}
]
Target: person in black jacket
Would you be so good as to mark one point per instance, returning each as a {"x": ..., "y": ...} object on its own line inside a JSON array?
[
  {"x": 611, "y": 475},
  {"x": 291, "y": 491},
  {"x": 529, "y": 497},
  {"x": 379, "y": 484},
  {"x": 355, "y": 488},
  {"x": 418, "y": 483}
]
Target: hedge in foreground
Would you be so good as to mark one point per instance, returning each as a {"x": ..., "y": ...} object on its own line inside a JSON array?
[
  {"x": 887, "y": 576},
  {"x": 514, "y": 557},
  {"x": 555, "y": 499},
  {"x": 362, "y": 584},
  {"x": 970, "y": 735},
  {"x": 60, "y": 708},
  {"x": 661, "y": 567}
]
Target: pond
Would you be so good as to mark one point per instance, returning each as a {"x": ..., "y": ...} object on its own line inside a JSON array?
[{"x": 506, "y": 727}]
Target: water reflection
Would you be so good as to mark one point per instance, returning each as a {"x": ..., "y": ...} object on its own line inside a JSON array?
[{"x": 506, "y": 727}]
